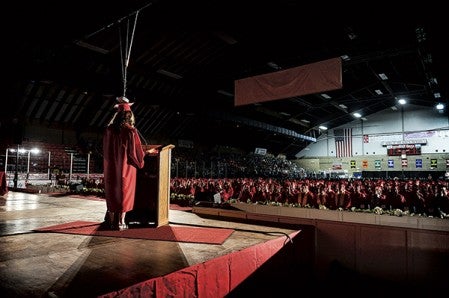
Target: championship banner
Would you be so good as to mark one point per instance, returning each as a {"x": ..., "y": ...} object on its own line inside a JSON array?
[
  {"x": 365, "y": 138},
  {"x": 353, "y": 164},
  {"x": 260, "y": 151},
  {"x": 390, "y": 163},
  {"x": 404, "y": 163},
  {"x": 337, "y": 165},
  {"x": 365, "y": 164},
  {"x": 433, "y": 163},
  {"x": 418, "y": 163},
  {"x": 377, "y": 164}
]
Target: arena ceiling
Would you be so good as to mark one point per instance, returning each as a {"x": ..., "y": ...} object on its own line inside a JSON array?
[{"x": 64, "y": 66}]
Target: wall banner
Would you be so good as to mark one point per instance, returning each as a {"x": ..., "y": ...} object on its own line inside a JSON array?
[
  {"x": 404, "y": 162},
  {"x": 377, "y": 164},
  {"x": 353, "y": 166},
  {"x": 418, "y": 163},
  {"x": 433, "y": 163},
  {"x": 390, "y": 163},
  {"x": 365, "y": 164}
]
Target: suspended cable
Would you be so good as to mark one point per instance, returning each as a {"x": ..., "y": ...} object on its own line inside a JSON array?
[
  {"x": 122, "y": 64},
  {"x": 132, "y": 38},
  {"x": 125, "y": 53},
  {"x": 127, "y": 50},
  {"x": 118, "y": 21}
]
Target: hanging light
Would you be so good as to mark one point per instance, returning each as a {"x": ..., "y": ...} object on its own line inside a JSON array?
[
  {"x": 402, "y": 101},
  {"x": 439, "y": 106}
]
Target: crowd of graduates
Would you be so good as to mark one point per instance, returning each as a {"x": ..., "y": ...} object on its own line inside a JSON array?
[
  {"x": 269, "y": 180},
  {"x": 424, "y": 197},
  {"x": 273, "y": 180}
]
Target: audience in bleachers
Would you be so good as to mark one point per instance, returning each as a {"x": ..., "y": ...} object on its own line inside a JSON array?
[{"x": 194, "y": 163}]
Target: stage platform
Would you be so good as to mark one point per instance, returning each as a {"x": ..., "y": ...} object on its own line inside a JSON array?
[
  {"x": 264, "y": 254},
  {"x": 39, "y": 264}
]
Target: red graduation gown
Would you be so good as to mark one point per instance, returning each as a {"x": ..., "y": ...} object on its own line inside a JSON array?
[{"x": 122, "y": 155}]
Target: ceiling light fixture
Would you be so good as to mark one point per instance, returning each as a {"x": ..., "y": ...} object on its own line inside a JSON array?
[
  {"x": 440, "y": 106},
  {"x": 433, "y": 81},
  {"x": 296, "y": 121},
  {"x": 169, "y": 74},
  {"x": 225, "y": 93},
  {"x": 402, "y": 101},
  {"x": 91, "y": 47},
  {"x": 378, "y": 92},
  {"x": 322, "y": 127},
  {"x": 357, "y": 115},
  {"x": 273, "y": 65},
  {"x": 351, "y": 34},
  {"x": 226, "y": 37},
  {"x": 324, "y": 95},
  {"x": 383, "y": 76}
]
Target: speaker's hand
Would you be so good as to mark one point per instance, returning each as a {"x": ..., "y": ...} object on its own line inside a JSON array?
[{"x": 152, "y": 151}]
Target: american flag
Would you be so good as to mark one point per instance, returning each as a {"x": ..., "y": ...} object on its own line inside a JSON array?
[{"x": 343, "y": 142}]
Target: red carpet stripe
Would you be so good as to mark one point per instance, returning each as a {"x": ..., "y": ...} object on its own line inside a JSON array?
[{"x": 163, "y": 233}]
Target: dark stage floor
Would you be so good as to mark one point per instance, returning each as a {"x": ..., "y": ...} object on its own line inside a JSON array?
[{"x": 40, "y": 264}]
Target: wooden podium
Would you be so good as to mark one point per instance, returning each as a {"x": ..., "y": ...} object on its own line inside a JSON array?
[{"x": 152, "y": 200}]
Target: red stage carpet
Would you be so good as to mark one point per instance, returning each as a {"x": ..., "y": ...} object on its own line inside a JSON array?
[{"x": 164, "y": 233}]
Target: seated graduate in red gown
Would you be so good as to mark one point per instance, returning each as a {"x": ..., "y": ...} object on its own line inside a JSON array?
[{"x": 122, "y": 156}]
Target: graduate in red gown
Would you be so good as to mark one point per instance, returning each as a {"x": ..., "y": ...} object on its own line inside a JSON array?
[{"x": 122, "y": 156}]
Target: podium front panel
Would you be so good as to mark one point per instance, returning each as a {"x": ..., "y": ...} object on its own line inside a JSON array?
[
  {"x": 145, "y": 202},
  {"x": 152, "y": 199}
]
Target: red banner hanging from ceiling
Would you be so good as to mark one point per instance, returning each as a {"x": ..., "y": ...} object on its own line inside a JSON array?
[{"x": 307, "y": 79}]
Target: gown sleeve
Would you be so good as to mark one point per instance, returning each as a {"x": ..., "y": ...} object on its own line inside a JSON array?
[{"x": 134, "y": 149}]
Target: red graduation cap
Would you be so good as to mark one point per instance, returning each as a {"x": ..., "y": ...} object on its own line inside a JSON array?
[{"x": 124, "y": 104}]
